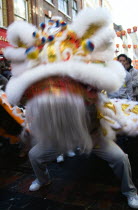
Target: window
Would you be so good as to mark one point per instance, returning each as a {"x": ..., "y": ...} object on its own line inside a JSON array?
[
  {"x": 1, "y": 15},
  {"x": 20, "y": 10},
  {"x": 50, "y": 1},
  {"x": 74, "y": 9},
  {"x": 63, "y": 6}
]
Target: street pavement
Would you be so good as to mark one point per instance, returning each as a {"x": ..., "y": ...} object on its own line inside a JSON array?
[{"x": 79, "y": 183}]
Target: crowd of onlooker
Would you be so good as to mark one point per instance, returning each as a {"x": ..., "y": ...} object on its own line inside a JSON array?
[
  {"x": 5, "y": 72},
  {"x": 129, "y": 89}
]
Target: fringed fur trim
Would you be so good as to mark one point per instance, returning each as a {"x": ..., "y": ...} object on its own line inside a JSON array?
[
  {"x": 21, "y": 31},
  {"x": 109, "y": 76}
]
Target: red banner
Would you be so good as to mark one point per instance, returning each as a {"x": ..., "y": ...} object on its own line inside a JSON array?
[{"x": 3, "y": 41}]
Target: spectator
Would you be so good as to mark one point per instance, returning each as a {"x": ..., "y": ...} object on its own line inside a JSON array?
[
  {"x": 5, "y": 67},
  {"x": 126, "y": 91},
  {"x": 3, "y": 81},
  {"x": 7, "y": 73},
  {"x": 134, "y": 75},
  {"x": 122, "y": 58}
]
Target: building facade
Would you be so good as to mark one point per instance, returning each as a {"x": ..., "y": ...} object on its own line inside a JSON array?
[
  {"x": 67, "y": 9},
  {"x": 97, "y": 3},
  {"x": 92, "y": 3},
  {"x": 11, "y": 10},
  {"x": 36, "y": 11},
  {"x": 127, "y": 43}
]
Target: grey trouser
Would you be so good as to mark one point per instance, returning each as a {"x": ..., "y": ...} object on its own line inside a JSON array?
[
  {"x": 107, "y": 150},
  {"x": 119, "y": 162}
]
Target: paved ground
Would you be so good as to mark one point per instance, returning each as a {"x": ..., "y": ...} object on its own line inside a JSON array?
[{"x": 80, "y": 183}]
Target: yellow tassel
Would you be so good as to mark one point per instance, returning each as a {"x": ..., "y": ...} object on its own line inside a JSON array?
[
  {"x": 90, "y": 31},
  {"x": 33, "y": 55}
]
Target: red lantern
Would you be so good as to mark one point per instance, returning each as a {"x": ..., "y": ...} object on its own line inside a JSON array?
[
  {"x": 135, "y": 46},
  {"x": 118, "y": 33},
  {"x": 129, "y": 30},
  {"x": 135, "y": 28},
  {"x": 123, "y": 33},
  {"x": 124, "y": 45},
  {"x": 117, "y": 45},
  {"x": 129, "y": 45}
]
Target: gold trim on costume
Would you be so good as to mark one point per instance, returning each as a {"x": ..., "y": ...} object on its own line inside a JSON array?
[
  {"x": 124, "y": 107},
  {"x": 135, "y": 109},
  {"x": 100, "y": 116},
  {"x": 111, "y": 106}
]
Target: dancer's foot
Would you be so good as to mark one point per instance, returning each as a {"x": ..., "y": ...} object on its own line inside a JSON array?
[
  {"x": 133, "y": 201},
  {"x": 71, "y": 153},
  {"x": 36, "y": 185},
  {"x": 60, "y": 158}
]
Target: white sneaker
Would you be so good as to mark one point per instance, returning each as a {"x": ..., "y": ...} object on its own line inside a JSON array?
[
  {"x": 133, "y": 201},
  {"x": 35, "y": 185},
  {"x": 71, "y": 153},
  {"x": 60, "y": 158}
]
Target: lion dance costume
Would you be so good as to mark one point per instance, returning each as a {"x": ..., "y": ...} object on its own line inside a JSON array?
[{"x": 60, "y": 71}]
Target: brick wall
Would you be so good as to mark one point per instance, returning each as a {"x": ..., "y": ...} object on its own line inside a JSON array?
[
  {"x": 10, "y": 16},
  {"x": 8, "y": 11},
  {"x": 4, "y": 13}
]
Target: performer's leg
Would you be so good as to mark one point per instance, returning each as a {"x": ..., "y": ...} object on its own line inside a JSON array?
[
  {"x": 119, "y": 162},
  {"x": 39, "y": 156}
]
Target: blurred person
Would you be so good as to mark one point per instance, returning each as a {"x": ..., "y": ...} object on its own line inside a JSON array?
[
  {"x": 6, "y": 69},
  {"x": 3, "y": 78},
  {"x": 122, "y": 58},
  {"x": 126, "y": 91},
  {"x": 134, "y": 75},
  {"x": 7, "y": 73},
  {"x": 3, "y": 81}
]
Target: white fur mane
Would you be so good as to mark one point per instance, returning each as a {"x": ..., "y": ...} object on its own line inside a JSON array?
[{"x": 109, "y": 77}]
